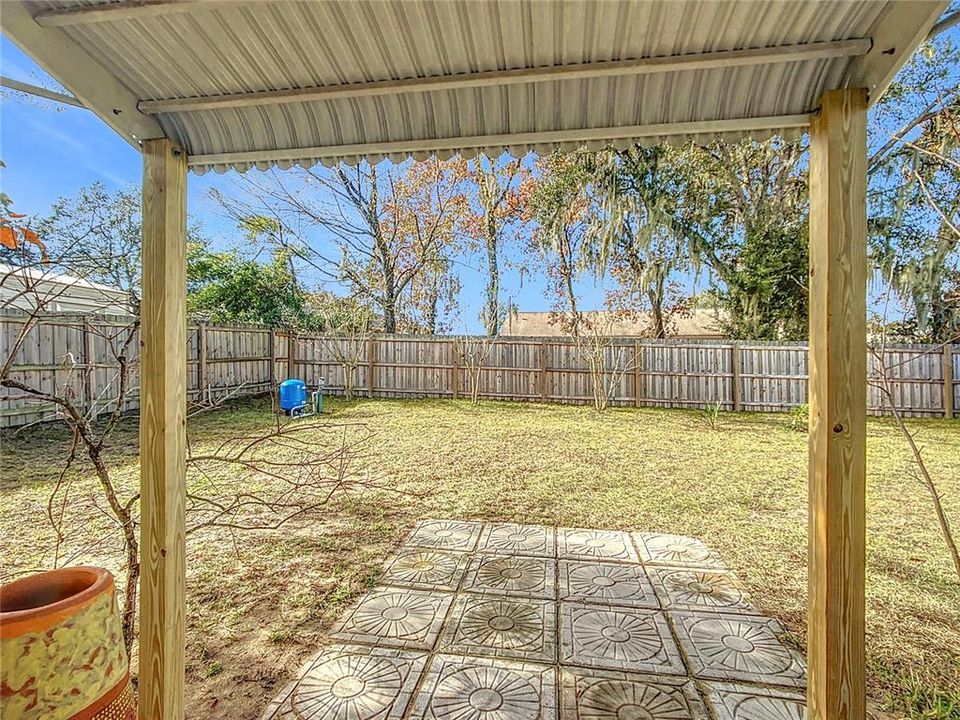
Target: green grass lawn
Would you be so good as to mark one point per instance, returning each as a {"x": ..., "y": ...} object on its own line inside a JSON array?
[{"x": 260, "y": 601}]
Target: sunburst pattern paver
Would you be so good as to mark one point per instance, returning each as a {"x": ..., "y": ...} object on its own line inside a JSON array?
[
  {"x": 595, "y": 545},
  {"x": 701, "y": 590},
  {"x": 512, "y": 575},
  {"x": 742, "y": 702},
  {"x": 395, "y": 617},
  {"x": 606, "y": 584},
  {"x": 513, "y": 539},
  {"x": 481, "y": 622},
  {"x": 674, "y": 551},
  {"x": 738, "y": 647},
  {"x": 353, "y": 682},
  {"x": 504, "y": 627},
  {"x": 605, "y": 695},
  {"x": 426, "y": 569}
]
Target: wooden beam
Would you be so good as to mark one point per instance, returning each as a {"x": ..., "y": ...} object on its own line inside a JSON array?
[
  {"x": 519, "y": 76},
  {"x": 737, "y": 125},
  {"x": 114, "y": 11},
  {"x": 41, "y": 92},
  {"x": 163, "y": 405},
  {"x": 838, "y": 401},
  {"x": 899, "y": 29},
  {"x": 89, "y": 81}
]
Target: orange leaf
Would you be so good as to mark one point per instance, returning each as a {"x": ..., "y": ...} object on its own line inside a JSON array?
[
  {"x": 31, "y": 237},
  {"x": 16, "y": 215},
  {"x": 8, "y": 238}
]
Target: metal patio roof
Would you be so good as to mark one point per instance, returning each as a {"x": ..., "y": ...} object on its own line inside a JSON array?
[{"x": 244, "y": 84}]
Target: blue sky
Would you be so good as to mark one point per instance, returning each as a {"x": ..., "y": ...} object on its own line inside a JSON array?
[{"x": 52, "y": 151}]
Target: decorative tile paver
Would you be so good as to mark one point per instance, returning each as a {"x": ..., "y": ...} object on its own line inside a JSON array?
[
  {"x": 698, "y": 590},
  {"x": 600, "y": 583},
  {"x": 618, "y": 638},
  {"x": 743, "y": 702},
  {"x": 737, "y": 647},
  {"x": 595, "y": 545},
  {"x": 395, "y": 617},
  {"x": 512, "y": 575},
  {"x": 502, "y": 627},
  {"x": 425, "y": 569},
  {"x": 606, "y": 695},
  {"x": 467, "y": 688},
  {"x": 445, "y": 535},
  {"x": 481, "y": 622},
  {"x": 675, "y": 551},
  {"x": 350, "y": 682},
  {"x": 513, "y": 539}
]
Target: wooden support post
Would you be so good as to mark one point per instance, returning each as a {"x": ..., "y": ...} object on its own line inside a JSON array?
[
  {"x": 948, "y": 381},
  {"x": 163, "y": 406},
  {"x": 735, "y": 385},
  {"x": 371, "y": 349},
  {"x": 455, "y": 372},
  {"x": 202, "y": 393},
  {"x": 637, "y": 374},
  {"x": 544, "y": 357},
  {"x": 838, "y": 400}
]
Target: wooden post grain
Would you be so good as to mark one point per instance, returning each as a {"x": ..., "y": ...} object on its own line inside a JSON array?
[
  {"x": 838, "y": 399},
  {"x": 948, "y": 381},
  {"x": 735, "y": 385},
  {"x": 163, "y": 404}
]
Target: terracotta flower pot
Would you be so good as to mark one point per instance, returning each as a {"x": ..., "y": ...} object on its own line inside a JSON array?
[{"x": 61, "y": 648}]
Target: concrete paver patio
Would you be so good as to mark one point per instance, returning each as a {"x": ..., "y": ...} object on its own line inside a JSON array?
[{"x": 477, "y": 621}]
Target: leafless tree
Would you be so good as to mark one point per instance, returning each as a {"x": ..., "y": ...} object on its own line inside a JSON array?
[
  {"x": 920, "y": 471},
  {"x": 295, "y": 466},
  {"x": 472, "y": 354}
]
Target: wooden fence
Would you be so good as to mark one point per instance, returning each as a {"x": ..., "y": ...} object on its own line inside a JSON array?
[{"x": 75, "y": 353}]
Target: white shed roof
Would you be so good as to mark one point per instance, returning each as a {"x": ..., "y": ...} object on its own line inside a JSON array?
[
  {"x": 23, "y": 288},
  {"x": 242, "y": 84}
]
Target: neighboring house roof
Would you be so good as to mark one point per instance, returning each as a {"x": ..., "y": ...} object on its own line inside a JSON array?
[
  {"x": 22, "y": 288},
  {"x": 698, "y": 324}
]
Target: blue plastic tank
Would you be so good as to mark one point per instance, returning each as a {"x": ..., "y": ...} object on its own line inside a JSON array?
[{"x": 293, "y": 394}]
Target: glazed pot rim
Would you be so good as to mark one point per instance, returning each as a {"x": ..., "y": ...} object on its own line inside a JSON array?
[{"x": 98, "y": 580}]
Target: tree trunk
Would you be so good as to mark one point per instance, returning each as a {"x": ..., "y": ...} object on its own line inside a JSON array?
[{"x": 492, "y": 316}]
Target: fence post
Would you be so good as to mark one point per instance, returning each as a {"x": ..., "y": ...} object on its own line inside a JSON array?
[
  {"x": 543, "y": 371},
  {"x": 292, "y": 354},
  {"x": 637, "y": 374},
  {"x": 455, "y": 371},
  {"x": 273, "y": 358},
  {"x": 202, "y": 391},
  {"x": 87, "y": 360},
  {"x": 737, "y": 393},
  {"x": 371, "y": 347},
  {"x": 948, "y": 381}
]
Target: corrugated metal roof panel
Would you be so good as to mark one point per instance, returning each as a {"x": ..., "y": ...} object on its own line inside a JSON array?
[{"x": 223, "y": 48}]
